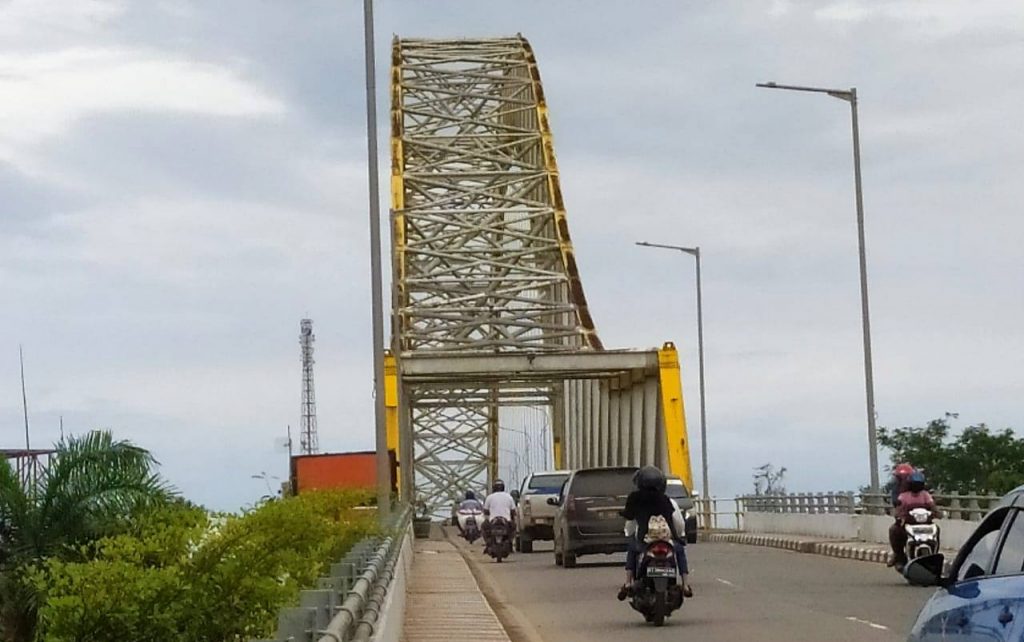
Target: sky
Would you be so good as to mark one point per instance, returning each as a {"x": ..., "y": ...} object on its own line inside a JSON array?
[{"x": 182, "y": 181}]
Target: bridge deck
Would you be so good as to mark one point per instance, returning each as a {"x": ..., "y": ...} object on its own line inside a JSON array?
[{"x": 444, "y": 601}]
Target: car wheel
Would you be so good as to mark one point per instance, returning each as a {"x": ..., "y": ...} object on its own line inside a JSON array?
[
  {"x": 558, "y": 558},
  {"x": 526, "y": 545},
  {"x": 569, "y": 560},
  {"x": 517, "y": 544},
  {"x": 691, "y": 538}
]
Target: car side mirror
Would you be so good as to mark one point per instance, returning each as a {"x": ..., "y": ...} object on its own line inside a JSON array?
[
  {"x": 926, "y": 570},
  {"x": 694, "y": 494},
  {"x": 515, "y": 495},
  {"x": 552, "y": 501}
]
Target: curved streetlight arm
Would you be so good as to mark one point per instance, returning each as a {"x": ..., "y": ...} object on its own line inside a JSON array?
[
  {"x": 849, "y": 95},
  {"x": 692, "y": 251}
]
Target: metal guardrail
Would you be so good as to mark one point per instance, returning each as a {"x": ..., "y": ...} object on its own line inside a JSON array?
[
  {"x": 346, "y": 604},
  {"x": 954, "y": 505},
  {"x": 715, "y": 513},
  {"x": 807, "y": 503}
]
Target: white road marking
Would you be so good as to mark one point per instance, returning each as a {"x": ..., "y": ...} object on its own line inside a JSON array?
[
  {"x": 726, "y": 582},
  {"x": 871, "y": 624}
]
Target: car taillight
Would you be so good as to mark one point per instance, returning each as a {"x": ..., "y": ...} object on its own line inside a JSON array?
[
  {"x": 660, "y": 549},
  {"x": 570, "y": 504},
  {"x": 526, "y": 508}
]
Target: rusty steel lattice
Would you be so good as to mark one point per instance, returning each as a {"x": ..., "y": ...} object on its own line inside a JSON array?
[{"x": 482, "y": 265}]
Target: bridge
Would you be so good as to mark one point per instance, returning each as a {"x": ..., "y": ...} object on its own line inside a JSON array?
[
  {"x": 489, "y": 311},
  {"x": 489, "y": 315}
]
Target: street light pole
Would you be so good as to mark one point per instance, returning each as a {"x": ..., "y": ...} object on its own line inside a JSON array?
[
  {"x": 695, "y": 253},
  {"x": 383, "y": 462},
  {"x": 850, "y": 96}
]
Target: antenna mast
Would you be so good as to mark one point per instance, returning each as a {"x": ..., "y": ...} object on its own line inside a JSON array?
[
  {"x": 24, "y": 399},
  {"x": 308, "y": 441}
]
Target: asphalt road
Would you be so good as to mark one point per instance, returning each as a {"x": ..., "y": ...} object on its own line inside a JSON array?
[{"x": 742, "y": 593}]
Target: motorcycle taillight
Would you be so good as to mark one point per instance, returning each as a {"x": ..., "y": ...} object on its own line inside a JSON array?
[{"x": 660, "y": 549}]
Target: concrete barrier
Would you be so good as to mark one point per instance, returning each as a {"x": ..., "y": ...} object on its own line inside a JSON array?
[
  {"x": 863, "y": 528},
  {"x": 831, "y": 526},
  {"x": 388, "y": 627}
]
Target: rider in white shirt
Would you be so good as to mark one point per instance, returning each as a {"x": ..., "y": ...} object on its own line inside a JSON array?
[{"x": 498, "y": 504}]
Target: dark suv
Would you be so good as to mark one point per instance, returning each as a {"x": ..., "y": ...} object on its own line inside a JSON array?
[{"x": 588, "y": 520}]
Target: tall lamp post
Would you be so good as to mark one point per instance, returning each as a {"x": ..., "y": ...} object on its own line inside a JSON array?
[
  {"x": 850, "y": 96},
  {"x": 383, "y": 462},
  {"x": 695, "y": 253}
]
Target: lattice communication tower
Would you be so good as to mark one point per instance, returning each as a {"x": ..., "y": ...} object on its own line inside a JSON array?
[{"x": 308, "y": 441}]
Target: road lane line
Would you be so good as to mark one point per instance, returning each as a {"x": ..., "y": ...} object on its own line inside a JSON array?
[
  {"x": 726, "y": 582},
  {"x": 871, "y": 624}
]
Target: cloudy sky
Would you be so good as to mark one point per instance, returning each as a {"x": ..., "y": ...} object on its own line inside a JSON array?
[{"x": 181, "y": 182}]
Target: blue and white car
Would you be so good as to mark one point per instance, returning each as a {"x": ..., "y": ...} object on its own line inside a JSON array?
[{"x": 982, "y": 595}]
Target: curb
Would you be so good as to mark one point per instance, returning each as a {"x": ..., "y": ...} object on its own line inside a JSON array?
[{"x": 843, "y": 550}]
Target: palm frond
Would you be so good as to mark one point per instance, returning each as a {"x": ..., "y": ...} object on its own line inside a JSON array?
[
  {"x": 94, "y": 484},
  {"x": 14, "y": 510}
]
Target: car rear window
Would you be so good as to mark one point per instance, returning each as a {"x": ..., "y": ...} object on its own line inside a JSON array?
[
  {"x": 547, "y": 483},
  {"x": 603, "y": 483},
  {"x": 677, "y": 490}
]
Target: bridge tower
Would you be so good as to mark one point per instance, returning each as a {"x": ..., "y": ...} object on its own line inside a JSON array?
[
  {"x": 489, "y": 311},
  {"x": 308, "y": 440}
]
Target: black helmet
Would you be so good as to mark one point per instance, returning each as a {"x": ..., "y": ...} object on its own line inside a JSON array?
[
  {"x": 916, "y": 481},
  {"x": 650, "y": 478},
  {"x": 498, "y": 487},
  {"x": 470, "y": 495}
]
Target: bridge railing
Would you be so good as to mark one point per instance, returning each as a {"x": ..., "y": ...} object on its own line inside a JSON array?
[
  {"x": 806, "y": 503},
  {"x": 347, "y": 603},
  {"x": 719, "y": 513},
  {"x": 955, "y": 505}
]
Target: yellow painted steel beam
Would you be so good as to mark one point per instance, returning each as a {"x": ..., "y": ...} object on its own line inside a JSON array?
[
  {"x": 576, "y": 293},
  {"x": 397, "y": 190},
  {"x": 674, "y": 414},
  {"x": 391, "y": 408}
]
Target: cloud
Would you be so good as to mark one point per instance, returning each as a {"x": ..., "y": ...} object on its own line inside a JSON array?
[
  {"x": 45, "y": 94},
  {"x": 181, "y": 182},
  {"x": 29, "y": 20}
]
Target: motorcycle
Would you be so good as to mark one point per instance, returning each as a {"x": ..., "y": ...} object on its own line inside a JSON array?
[
  {"x": 501, "y": 539},
  {"x": 657, "y": 591},
  {"x": 469, "y": 524},
  {"x": 922, "y": 536}
]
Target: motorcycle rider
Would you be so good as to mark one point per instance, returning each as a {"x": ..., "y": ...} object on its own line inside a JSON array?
[
  {"x": 897, "y": 484},
  {"x": 900, "y": 479},
  {"x": 647, "y": 500},
  {"x": 470, "y": 503},
  {"x": 499, "y": 504},
  {"x": 914, "y": 497}
]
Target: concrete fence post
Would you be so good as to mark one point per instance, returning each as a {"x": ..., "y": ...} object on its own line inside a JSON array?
[
  {"x": 974, "y": 510},
  {"x": 954, "y": 506}
]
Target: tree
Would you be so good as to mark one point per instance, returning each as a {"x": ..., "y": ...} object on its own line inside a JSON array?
[
  {"x": 977, "y": 461},
  {"x": 183, "y": 576},
  {"x": 92, "y": 489}
]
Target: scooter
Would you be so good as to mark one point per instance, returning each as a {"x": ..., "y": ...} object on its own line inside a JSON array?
[
  {"x": 657, "y": 591},
  {"x": 469, "y": 524},
  {"x": 501, "y": 539},
  {"x": 922, "y": 536}
]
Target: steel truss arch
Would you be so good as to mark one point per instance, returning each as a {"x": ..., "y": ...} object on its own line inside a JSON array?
[{"x": 483, "y": 263}]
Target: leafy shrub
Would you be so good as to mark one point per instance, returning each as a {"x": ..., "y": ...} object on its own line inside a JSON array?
[{"x": 183, "y": 575}]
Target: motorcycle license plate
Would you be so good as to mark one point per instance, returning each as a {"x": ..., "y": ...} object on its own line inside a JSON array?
[{"x": 661, "y": 571}]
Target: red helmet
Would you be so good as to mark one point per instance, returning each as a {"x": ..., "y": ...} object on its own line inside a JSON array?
[{"x": 902, "y": 470}]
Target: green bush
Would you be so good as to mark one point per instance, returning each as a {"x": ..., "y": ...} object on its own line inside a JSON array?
[{"x": 183, "y": 575}]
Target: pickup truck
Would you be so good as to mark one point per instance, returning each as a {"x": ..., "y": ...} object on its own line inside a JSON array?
[{"x": 533, "y": 513}]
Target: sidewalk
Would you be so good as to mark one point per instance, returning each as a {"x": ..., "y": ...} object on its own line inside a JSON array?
[
  {"x": 867, "y": 552},
  {"x": 444, "y": 602}
]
